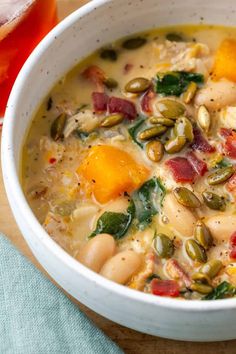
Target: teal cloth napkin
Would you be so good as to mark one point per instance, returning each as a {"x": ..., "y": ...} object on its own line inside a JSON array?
[{"x": 37, "y": 318}]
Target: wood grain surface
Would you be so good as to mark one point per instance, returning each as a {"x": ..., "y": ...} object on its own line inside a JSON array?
[{"x": 130, "y": 341}]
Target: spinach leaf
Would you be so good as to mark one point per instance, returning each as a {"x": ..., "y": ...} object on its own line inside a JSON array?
[
  {"x": 147, "y": 200},
  {"x": 134, "y": 131},
  {"x": 176, "y": 82},
  {"x": 223, "y": 163},
  {"x": 151, "y": 277},
  {"x": 222, "y": 291},
  {"x": 115, "y": 224}
]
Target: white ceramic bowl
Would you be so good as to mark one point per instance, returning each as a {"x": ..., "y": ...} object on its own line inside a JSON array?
[{"x": 100, "y": 22}]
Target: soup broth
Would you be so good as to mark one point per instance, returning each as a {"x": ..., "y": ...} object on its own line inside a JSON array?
[{"x": 129, "y": 163}]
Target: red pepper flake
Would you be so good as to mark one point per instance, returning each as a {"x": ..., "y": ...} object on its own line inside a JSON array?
[
  {"x": 52, "y": 160},
  {"x": 232, "y": 243},
  {"x": 127, "y": 68},
  {"x": 181, "y": 169},
  {"x": 146, "y": 101},
  {"x": 199, "y": 166},
  {"x": 200, "y": 143},
  {"x": 165, "y": 287}
]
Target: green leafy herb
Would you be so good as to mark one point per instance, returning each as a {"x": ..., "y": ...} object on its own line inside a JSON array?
[
  {"x": 151, "y": 277},
  {"x": 115, "y": 224},
  {"x": 147, "y": 200},
  {"x": 176, "y": 82},
  {"x": 222, "y": 291},
  {"x": 223, "y": 163},
  {"x": 134, "y": 131}
]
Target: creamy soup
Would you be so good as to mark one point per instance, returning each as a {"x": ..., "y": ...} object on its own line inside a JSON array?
[{"x": 129, "y": 163}]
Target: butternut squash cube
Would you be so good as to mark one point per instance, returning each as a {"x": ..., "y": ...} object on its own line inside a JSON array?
[
  {"x": 225, "y": 61},
  {"x": 111, "y": 172}
]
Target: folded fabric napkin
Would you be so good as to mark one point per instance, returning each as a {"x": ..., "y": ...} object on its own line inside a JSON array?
[{"x": 37, "y": 318}]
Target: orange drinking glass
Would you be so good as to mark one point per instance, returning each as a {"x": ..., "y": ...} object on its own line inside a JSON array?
[{"x": 23, "y": 23}]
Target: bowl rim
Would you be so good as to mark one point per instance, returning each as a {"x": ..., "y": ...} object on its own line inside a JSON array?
[{"x": 12, "y": 182}]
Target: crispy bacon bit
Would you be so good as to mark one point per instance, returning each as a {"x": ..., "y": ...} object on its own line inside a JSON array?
[
  {"x": 127, "y": 68},
  {"x": 119, "y": 105},
  {"x": 199, "y": 166},
  {"x": 176, "y": 272},
  {"x": 181, "y": 169},
  {"x": 225, "y": 132},
  {"x": 96, "y": 75},
  {"x": 232, "y": 243},
  {"x": 100, "y": 101},
  {"x": 230, "y": 145},
  {"x": 146, "y": 101},
  {"x": 200, "y": 143},
  {"x": 231, "y": 184},
  {"x": 165, "y": 287},
  {"x": 52, "y": 160}
]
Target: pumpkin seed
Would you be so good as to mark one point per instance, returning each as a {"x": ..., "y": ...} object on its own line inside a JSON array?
[
  {"x": 214, "y": 201},
  {"x": 203, "y": 235},
  {"x": 170, "y": 108},
  {"x": 211, "y": 268},
  {"x": 155, "y": 150},
  {"x": 58, "y": 126},
  {"x": 183, "y": 127},
  {"x": 204, "y": 118},
  {"x": 201, "y": 288},
  {"x": 110, "y": 83},
  {"x": 163, "y": 121},
  {"x": 134, "y": 43},
  {"x": 174, "y": 37},
  {"x": 109, "y": 54},
  {"x": 137, "y": 85},
  {"x": 186, "y": 197},
  {"x": 163, "y": 246},
  {"x": 201, "y": 278},
  {"x": 220, "y": 176},
  {"x": 111, "y": 121},
  {"x": 175, "y": 144},
  {"x": 195, "y": 251},
  {"x": 152, "y": 132},
  {"x": 190, "y": 92}
]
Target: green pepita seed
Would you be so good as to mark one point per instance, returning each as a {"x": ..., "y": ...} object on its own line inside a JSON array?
[
  {"x": 186, "y": 197},
  {"x": 111, "y": 121},
  {"x": 211, "y": 268},
  {"x": 152, "y": 132},
  {"x": 155, "y": 150},
  {"x": 163, "y": 121},
  {"x": 137, "y": 85},
  {"x": 220, "y": 176},
  {"x": 190, "y": 92},
  {"x": 195, "y": 251},
  {"x": 201, "y": 278},
  {"x": 134, "y": 43},
  {"x": 183, "y": 127},
  {"x": 58, "y": 126},
  {"x": 109, "y": 54},
  {"x": 175, "y": 144},
  {"x": 163, "y": 246},
  {"x": 174, "y": 37},
  {"x": 204, "y": 118},
  {"x": 214, "y": 201},
  {"x": 203, "y": 235},
  {"x": 201, "y": 288},
  {"x": 110, "y": 83},
  {"x": 170, "y": 108}
]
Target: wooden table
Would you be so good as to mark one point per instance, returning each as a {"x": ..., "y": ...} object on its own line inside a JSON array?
[{"x": 130, "y": 341}]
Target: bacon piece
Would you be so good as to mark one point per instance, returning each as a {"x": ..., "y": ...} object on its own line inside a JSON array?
[
  {"x": 96, "y": 75},
  {"x": 100, "y": 101},
  {"x": 146, "y": 101},
  {"x": 200, "y": 143},
  {"x": 199, "y": 166},
  {"x": 230, "y": 146},
  {"x": 120, "y": 105},
  {"x": 165, "y": 288},
  {"x": 177, "y": 272},
  {"x": 231, "y": 184},
  {"x": 225, "y": 132},
  {"x": 181, "y": 169}
]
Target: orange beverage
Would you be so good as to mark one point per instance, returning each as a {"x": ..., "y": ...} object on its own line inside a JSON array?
[{"x": 23, "y": 23}]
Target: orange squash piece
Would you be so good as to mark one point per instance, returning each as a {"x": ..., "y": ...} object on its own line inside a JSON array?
[
  {"x": 225, "y": 61},
  {"x": 111, "y": 172}
]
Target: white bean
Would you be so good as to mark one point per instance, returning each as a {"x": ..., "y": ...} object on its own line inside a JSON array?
[
  {"x": 97, "y": 251},
  {"x": 122, "y": 266},
  {"x": 217, "y": 94},
  {"x": 180, "y": 218},
  {"x": 222, "y": 226}
]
